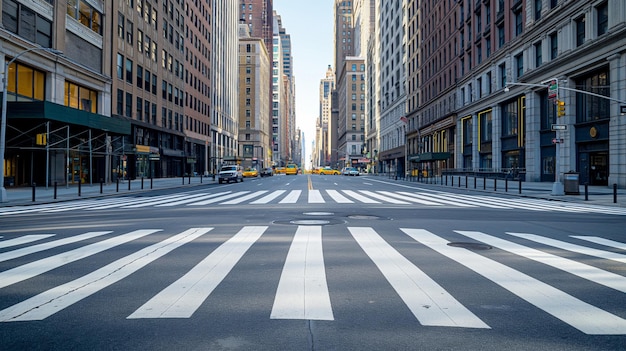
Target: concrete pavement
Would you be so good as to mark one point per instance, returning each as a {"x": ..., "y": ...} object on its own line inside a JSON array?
[{"x": 596, "y": 195}]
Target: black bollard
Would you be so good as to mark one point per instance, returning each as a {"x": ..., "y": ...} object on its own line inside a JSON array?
[
  {"x": 474, "y": 182},
  {"x": 183, "y": 178},
  {"x": 506, "y": 185},
  {"x": 189, "y": 179},
  {"x": 200, "y": 178},
  {"x": 117, "y": 185},
  {"x": 614, "y": 193},
  {"x": 55, "y": 190},
  {"x": 484, "y": 183},
  {"x": 495, "y": 184},
  {"x": 141, "y": 182},
  {"x": 34, "y": 186},
  {"x": 586, "y": 191},
  {"x": 101, "y": 184},
  {"x": 459, "y": 181},
  {"x": 520, "y": 186},
  {"x": 79, "y": 185},
  {"x": 466, "y": 181},
  {"x": 128, "y": 184},
  {"x": 452, "y": 181},
  {"x": 151, "y": 182}
]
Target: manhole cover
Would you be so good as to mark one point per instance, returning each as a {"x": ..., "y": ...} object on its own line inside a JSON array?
[
  {"x": 363, "y": 217},
  {"x": 471, "y": 246},
  {"x": 309, "y": 222},
  {"x": 318, "y": 213}
]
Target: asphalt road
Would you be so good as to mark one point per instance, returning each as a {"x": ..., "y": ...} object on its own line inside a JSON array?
[{"x": 312, "y": 263}]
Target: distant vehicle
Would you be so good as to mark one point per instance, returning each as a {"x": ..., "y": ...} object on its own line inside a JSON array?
[
  {"x": 267, "y": 172},
  {"x": 329, "y": 170},
  {"x": 230, "y": 173},
  {"x": 350, "y": 171},
  {"x": 250, "y": 172},
  {"x": 315, "y": 170},
  {"x": 279, "y": 170},
  {"x": 292, "y": 169}
]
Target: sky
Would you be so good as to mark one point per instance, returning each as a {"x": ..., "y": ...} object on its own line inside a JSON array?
[{"x": 310, "y": 24}]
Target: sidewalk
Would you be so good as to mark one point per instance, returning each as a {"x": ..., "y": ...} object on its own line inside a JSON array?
[{"x": 18, "y": 196}]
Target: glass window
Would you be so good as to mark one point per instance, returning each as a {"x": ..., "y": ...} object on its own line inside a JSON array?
[
  {"x": 603, "y": 18},
  {"x": 510, "y": 119},
  {"x": 485, "y": 126},
  {"x": 580, "y": 31},
  {"x": 25, "y": 85},
  {"x": 592, "y": 108},
  {"x": 82, "y": 98}
]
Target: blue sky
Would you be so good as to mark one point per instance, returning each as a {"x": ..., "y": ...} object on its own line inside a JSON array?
[{"x": 310, "y": 24}]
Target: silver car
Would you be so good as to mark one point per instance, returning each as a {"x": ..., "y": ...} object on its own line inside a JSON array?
[{"x": 230, "y": 173}]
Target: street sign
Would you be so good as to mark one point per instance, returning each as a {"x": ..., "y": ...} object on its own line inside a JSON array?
[
  {"x": 559, "y": 127},
  {"x": 622, "y": 109},
  {"x": 553, "y": 89},
  {"x": 557, "y": 141}
]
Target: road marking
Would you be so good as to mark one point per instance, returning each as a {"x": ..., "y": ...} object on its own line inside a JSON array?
[
  {"x": 49, "y": 245},
  {"x": 335, "y": 195},
  {"x": 410, "y": 198},
  {"x": 384, "y": 198},
  {"x": 302, "y": 290},
  {"x": 23, "y": 240},
  {"x": 193, "y": 199},
  {"x": 315, "y": 197},
  {"x": 579, "y": 314},
  {"x": 183, "y": 297},
  {"x": 359, "y": 197},
  {"x": 269, "y": 197},
  {"x": 114, "y": 203},
  {"x": 218, "y": 199},
  {"x": 186, "y": 198},
  {"x": 572, "y": 247},
  {"x": 427, "y": 197},
  {"x": 35, "y": 268},
  {"x": 431, "y": 304},
  {"x": 54, "y": 300},
  {"x": 602, "y": 241},
  {"x": 244, "y": 198},
  {"x": 292, "y": 197},
  {"x": 594, "y": 274}
]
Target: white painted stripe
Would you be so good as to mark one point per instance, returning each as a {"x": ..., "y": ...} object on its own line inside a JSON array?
[
  {"x": 602, "y": 241},
  {"x": 430, "y": 303},
  {"x": 183, "y": 297},
  {"x": 76, "y": 205},
  {"x": 426, "y": 196},
  {"x": 292, "y": 197},
  {"x": 267, "y": 198},
  {"x": 335, "y": 195},
  {"x": 302, "y": 291},
  {"x": 384, "y": 198},
  {"x": 594, "y": 274},
  {"x": 410, "y": 198},
  {"x": 168, "y": 200},
  {"x": 315, "y": 197},
  {"x": 244, "y": 198},
  {"x": 54, "y": 300},
  {"x": 572, "y": 247},
  {"x": 359, "y": 197},
  {"x": 579, "y": 314},
  {"x": 103, "y": 204},
  {"x": 192, "y": 199},
  {"x": 49, "y": 245},
  {"x": 23, "y": 240},
  {"x": 35, "y": 268},
  {"x": 218, "y": 199},
  {"x": 460, "y": 201}
]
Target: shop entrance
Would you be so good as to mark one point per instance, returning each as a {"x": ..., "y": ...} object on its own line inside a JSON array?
[
  {"x": 594, "y": 168},
  {"x": 79, "y": 168}
]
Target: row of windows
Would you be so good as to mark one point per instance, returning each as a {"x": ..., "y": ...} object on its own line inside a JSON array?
[
  {"x": 85, "y": 14},
  {"x": 26, "y": 23}
]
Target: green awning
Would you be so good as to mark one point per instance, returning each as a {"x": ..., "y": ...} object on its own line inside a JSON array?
[
  {"x": 429, "y": 156},
  {"x": 47, "y": 110}
]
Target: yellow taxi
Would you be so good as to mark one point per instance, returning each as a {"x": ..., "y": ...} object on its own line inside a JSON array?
[
  {"x": 250, "y": 172},
  {"x": 279, "y": 170},
  {"x": 329, "y": 171},
  {"x": 292, "y": 169}
]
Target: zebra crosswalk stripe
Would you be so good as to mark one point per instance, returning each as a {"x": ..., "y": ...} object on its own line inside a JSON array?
[
  {"x": 302, "y": 290},
  {"x": 315, "y": 197},
  {"x": 49, "y": 302},
  {"x": 183, "y": 297},
  {"x": 359, "y": 197},
  {"x": 579, "y": 314},
  {"x": 430, "y": 303},
  {"x": 338, "y": 198},
  {"x": 218, "y": 199},
  {"x": 292, "y": 197},
  {"x": 602, "y": 241},
  {"x": 201, "y": 197},
  {"x": 384, "y": 197},
  {"x": 269, "y": 197},
  {"x": 23, "y": 240},
  {"x": 48, "y": 245}
]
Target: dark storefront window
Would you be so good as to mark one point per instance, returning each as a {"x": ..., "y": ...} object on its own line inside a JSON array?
[{"x": 593, "y": 108}]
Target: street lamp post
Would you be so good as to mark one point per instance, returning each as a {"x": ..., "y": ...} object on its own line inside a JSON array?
[{"x": 3, "y": 123}]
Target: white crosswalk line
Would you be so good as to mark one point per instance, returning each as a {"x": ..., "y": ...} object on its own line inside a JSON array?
[
  {"x": 315, "y": 197},
  {"x": 384, "y": 198},
  {"x": 35, "y": 268},
  {"x": 359, "y": 197},
  {"x": 184, "y": 198},
  {"x": 244, "y": 198},
  {"x": 410, "y": 198},
  {"x": 23, "y": 240},
  {"x": 572, "y": 247},
  {"x": 218, "y": 199},
  {"x": 427, "y": 197},
  {"x": 602, "y": 241},
  {"x": 428, "y": 301},
  {"x": 49, "y": 245},
  {"x": 594, "y": 274},
  {"x": 183, "y": 297},
  {"x": 338, "y": 198},
  {"x": 192, "y": 199},
  {"x": 292, "y": 197},
  {"x": 52, "y": 301},
  {"x": 459, "y": 201},
  {"x": 269, "y": 197},
  {"x": 579, "y": 314},
  {"x": 302, "y": 290},
  {"x": 127, "y": 201}
]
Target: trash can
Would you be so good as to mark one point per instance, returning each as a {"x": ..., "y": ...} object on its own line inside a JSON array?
[{"x": 571, "y": 183}]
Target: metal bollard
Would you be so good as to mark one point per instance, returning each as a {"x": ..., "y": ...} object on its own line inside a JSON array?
[
  {"x": 189, "y": 179},
  {"x": 183, "y": 178},
  {"x": 520, "y": 186},
  {"x": 55, "y": 190},
  {"x": 459, "y": 181},
  {"x": 151, "y": 182},
  {"x": 34, "y": 186},
  {"x": 451, "y": 181},
  {"x": 474, "y": 182},
  {"x": 586, "y": 191},
  {"x": 495, "y": 184},
  {"x": 141, "y": 182},
  {"x": 117, "y": 185},
  {"x": 128, "y": 184},
  {"x": 79, "y": 185},
  {"x": 614, "y": 193},
  {"x": 506, "y": 185},
  {"x": 200, "y": 178},
  {"x": 101, "y": 184},
  {"x": 484, "y": 183},
  {"x": 466, "y": 181}
]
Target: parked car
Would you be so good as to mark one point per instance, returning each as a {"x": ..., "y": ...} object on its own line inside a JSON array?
[
  {"x": 350, "y": 171},
  {"x": 279, "y": 170},
  {"x": 267, "y": 172},
  {"x": 292, "y": 169},
  {"x": 329, "y": 170},
  {"x": 250, "y": 172},
  {"x": 230, "y": 173}
]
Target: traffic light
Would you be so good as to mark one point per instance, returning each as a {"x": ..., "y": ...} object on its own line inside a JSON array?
[{"x": 560, "y": 108}]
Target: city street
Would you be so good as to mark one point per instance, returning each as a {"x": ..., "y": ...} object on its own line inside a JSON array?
[{"x": 313, "y": 262}]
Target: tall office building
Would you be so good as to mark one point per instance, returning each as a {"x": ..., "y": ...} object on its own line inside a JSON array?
[
  {"x": 351, "y": 119},
  {"x": 322, "y": 142}
]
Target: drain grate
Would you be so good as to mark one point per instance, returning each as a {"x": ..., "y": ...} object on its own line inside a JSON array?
[{"x": 471, "y": 246}]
